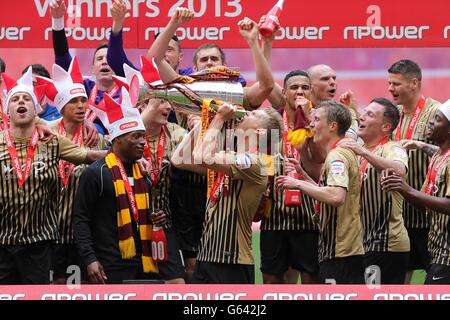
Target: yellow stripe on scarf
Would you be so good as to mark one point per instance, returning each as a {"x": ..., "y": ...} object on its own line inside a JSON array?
[
  {"x": 148, "y": 265},
  {"x": 127, "y": 248},
  {"x": 123, "y": 218},
  {"x": 142, "y": 200},
  {"x": 119, "y": 186},
  {"x": 145, "y": 231}
]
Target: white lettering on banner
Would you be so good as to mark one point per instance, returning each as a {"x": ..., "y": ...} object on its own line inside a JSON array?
[
  {"x": 375, "y": 15},
  {"x": 6, "y": 296},
  {"x": 80, "y": 34},
  {"x": 389, "y": 32},
  {"x": 198, "y": 296},
  {"x": 411, "y": 296},
  {"x": 88, "y": 296},
  {"x": 191, "y": 33},
  {"x": 13, "y": 33},
  {"x": 42, "y": 8},
  {"x": 298, "y": 33},
  {"x": 309, "y": 296},
  {"x": 446, "y": 32}
]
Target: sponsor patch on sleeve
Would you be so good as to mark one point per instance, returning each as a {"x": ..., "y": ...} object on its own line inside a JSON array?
[
  {"x": 400, "y": 152},
  {"x": 243, "y": 161},
  {"x": 337, "y": 168}
]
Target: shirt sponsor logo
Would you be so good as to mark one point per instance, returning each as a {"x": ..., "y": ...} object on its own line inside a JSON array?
[
  {"x": 128, "y": 125},
  {"x": 400, "y": 152},
  {"x": 337, "y": 168},
  {"x": 76, "y": 90},
  {"x": 243, "y": 162}
]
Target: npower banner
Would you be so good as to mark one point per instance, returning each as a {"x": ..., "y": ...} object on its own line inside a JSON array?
[{"x": 326, "y": 23}]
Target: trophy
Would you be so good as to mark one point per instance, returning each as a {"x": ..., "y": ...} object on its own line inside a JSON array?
[{"x": 218, "y": 84}]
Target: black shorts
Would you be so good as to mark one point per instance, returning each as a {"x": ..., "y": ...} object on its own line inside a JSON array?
[
  {"x": 64, "y": 256},
  {"x": 283, "y": 249},
  {"x": 419, "y": 256},
  {"x": 222, "y": 273},
  {"x": 438, "y": 274},
  {"x": 385, "y": 267},
  {"x": 347, "y": 270},
  {"x": 173, "y": 268},
  {"x": 188, "y": 205},
  {"x": 26, "y": 264}
]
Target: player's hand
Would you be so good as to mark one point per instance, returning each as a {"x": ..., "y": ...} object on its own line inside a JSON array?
[
  {"x": 248, "y": 29},
  {"x": 411, "y": 144},
  {"x": 90, "y": 134},
  {"x": 226, "y": 111},
  {"x": 58, "y": 9},
  {"x": 353, "y": 145},
  {"x": 96, "y": 273},
  {"x": 285, "y": 182},
  {"x": 348, "y": 98},
  {"x": 158, "y": 218},
  {"x": 182, "y": 16}
]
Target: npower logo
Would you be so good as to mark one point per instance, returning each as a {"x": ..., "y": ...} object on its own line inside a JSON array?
[
  {"x": 128, "y": 125},
  {"x": 76, "y": 90}
]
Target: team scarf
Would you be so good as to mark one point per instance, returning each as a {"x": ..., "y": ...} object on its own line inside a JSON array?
[{"x": 138, "y": 201}]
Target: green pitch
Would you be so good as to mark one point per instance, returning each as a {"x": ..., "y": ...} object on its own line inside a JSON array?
[{"x": 417, "y": 278}]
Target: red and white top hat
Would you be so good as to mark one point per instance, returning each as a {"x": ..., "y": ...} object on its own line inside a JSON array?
[
  {"x": 65, "y": 86},
  {"x": 148, "y": 74},
  {"x": 445, "y": 109},
  {"x": 24, "y": 84},
  {"x": 120, "y": 117}
]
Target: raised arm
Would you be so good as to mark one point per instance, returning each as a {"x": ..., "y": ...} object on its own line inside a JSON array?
[
  {"x": 276, "y": 97},
  {"x": 116, "y": 56},
  {"x": 261, "y": 89},
  {"x": 60, "y": 45},
  {"x": 207, "y": 153},
  {"x": 159, "y": 46}
]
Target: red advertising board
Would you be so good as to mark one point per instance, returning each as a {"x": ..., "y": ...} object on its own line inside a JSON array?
[{"x": 308, "y": 24}]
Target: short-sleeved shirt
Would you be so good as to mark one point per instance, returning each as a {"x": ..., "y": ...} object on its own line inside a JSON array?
[
  {"x": 160, "y": 198},
  {"x": 382, "y": 212},
  {"x": 67, "y": 194},
  {"x": 439, "y": 235},
  {"x": 29, "y": 215},
  {"x": 227, "y": 232},
  {"x": 340, "y": 229},
  {"x": 418, "y": 162}
]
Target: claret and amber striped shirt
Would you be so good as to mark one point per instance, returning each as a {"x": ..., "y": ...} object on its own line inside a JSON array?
[
  {"x": 439, "y": 235},
  {"x": 418, "y": 162},
  {"x": 30, "y": 215},
  {"x": 227, "y": 235},
  {"x": 381, "y": 212}
]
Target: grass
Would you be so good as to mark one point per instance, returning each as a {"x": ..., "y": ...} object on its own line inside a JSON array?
[{"x": 417, "y": 278}]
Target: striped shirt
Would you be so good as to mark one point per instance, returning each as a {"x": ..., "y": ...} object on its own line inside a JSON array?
[
  {"x": 418, "y": 162},
  {"x": 340, "y": 229},
  {"x": 30, "y": 215},
  {"x": 160, "y": 196},
  {"x": 439, "y": 235},
  {"x": 381, "y": 212},
  {"x": 67, "y": 193},
  {"x": 283, "y": 217},
  {"x": 227, "y": 228}
]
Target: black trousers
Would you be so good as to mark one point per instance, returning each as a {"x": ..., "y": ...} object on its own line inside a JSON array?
[{"x": 26, "y": 264}]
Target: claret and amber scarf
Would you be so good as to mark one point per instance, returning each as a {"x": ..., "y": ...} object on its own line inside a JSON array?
[{"x": 138, "y": 201}]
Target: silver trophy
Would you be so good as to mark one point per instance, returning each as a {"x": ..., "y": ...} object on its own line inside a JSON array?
[{"x": 188, "y": 98}]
